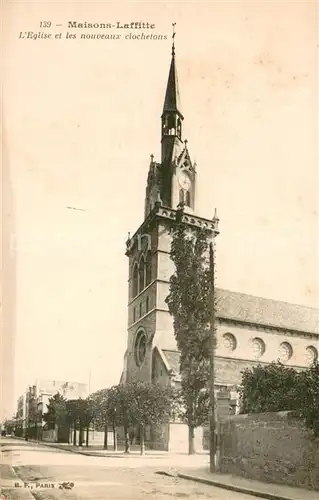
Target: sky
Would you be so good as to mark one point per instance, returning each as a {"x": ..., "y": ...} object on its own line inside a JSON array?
[{"x": 81, "y": 119}]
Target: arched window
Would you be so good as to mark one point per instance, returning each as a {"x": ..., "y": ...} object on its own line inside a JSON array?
[
  {"x": 140, "y": 310},
  {"x": 141, "y": 275},
  {"x": 181, "y": 196},
  {"x": 135, "y": 280},
  {"x": 188, "y": 198},
  {"x": 148, "y": 268},
  {"x": 171, "y": 125},
  {"x": 147, "y": 304},
  {"x": 179, "y": 128}
]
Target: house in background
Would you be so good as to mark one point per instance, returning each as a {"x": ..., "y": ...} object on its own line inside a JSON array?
[
  {"x": 45, "y": 389},
  {"x": 34, "y": 402},
  {"x": 21, "y": 416}
]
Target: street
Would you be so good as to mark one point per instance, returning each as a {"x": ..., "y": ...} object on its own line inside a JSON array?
[{"x": 100, "y": 478}]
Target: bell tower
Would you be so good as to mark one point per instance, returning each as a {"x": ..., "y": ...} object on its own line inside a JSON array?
[
  {"x": 172, "y": 180},
  {"x": 172, "y": 117},
  {"x": 170, "y": 184}
]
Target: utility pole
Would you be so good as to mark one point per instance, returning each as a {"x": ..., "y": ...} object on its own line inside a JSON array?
[{"x": 212, "y": 345}]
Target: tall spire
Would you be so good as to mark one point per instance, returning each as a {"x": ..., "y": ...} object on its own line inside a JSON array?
[{"x": 172, "y": 97}]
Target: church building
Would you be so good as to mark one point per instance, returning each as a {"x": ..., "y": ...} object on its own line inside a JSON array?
[{"x": 250, "y": 329}]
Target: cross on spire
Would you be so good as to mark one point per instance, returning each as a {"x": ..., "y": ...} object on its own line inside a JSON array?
[
  {"x": 173, "y": 36},
  {"x": 171, "y": 103}
]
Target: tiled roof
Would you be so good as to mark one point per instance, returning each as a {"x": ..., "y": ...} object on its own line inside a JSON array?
[
  {"x": 267, "y": 312},
  {"x": 245, "y": 308},
  {"x": 172, "y": 358},
  {"x": 227, "y": 372}
]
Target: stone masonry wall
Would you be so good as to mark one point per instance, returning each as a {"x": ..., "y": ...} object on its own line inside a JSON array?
[
  {"x": 143, "y": 372},
  {"x": 270, "y": 447}
]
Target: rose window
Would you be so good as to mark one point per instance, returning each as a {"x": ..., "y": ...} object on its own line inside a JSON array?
[
  {"x": 229, "y": 341},
  {"x": 311, "y": 355},
  {"x": 258, "y": 346},
  {"x": 285, "y": 351},
  {"x": 140, "y": 348}
]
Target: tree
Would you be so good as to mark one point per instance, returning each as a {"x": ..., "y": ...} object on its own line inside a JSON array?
[
  {"x": 34, "y": 416},
  {"x": 120, "y": 403},
  {"x": 189, "y": 304},
  {"x": 111, "y": 412},
  {"x": 138, "y": 404},
  {"x": 18, "y": 430},
  {"x": 307, "y": 398},
  {"x": 88, "y": 409},
  {"x": 56, "y": 414},
  {"x": 268, "y": 388},
  {"x": 104, "y": 404},
  {"x": 84, "y": 415},
  {"x": 194, "y": 398},
  {"x": 276, "y": 387},
  {"x": 72, "y": 411},
  {"x": 9, "y": 425},
  {"x": 56, "y": 411},
  {"x": 149, "y": 404},
  {"x": 100, "y": 406}
]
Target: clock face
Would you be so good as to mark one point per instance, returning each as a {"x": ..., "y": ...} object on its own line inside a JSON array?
[{"x": 184, "y": 181}]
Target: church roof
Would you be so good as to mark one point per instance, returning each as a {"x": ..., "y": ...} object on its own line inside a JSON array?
[
  {"x": 172, "y": 96},
  {"x": 172, "y": 358},
  {"x": 229, "y": 375},
  {"x": 245, "y": 308}
]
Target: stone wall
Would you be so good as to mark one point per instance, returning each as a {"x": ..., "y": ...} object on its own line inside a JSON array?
[
  {"x": 159, "y": 371},
  {"x": 143, "y": 372},
  {"x": 270, "y": 447}
]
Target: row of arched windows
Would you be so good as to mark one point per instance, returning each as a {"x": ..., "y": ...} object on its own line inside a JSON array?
[
  {"x": 141, "y": 310},
  {"x": 142, "y": 274}
]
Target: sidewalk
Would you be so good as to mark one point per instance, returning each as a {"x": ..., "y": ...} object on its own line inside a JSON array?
[
  {"x": 99, "y": 451},
  {"x": 8, "y": 475},
  {"x": 249, "y": 487},
  {"x": 194, "y": 468}
]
